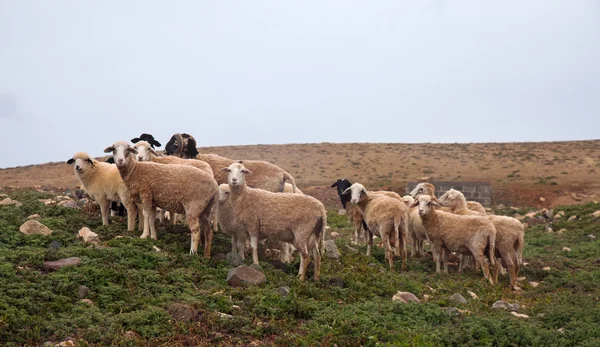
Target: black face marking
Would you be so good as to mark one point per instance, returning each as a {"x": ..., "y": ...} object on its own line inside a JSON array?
[
  {"x": 342, "y": 185},
  {"x": 171, "y": 146}
]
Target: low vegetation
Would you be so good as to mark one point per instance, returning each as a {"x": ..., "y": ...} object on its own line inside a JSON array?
[{"x": 132, "y": 287}]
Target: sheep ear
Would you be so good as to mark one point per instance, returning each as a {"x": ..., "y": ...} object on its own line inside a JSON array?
[
  {"x": 224, "y": 169},
  {"x": 337, "y": 183},
  {"x": 240, "y": 161},
  {"x": 247, "y": 172},
  {"x": 109, "y": 149},
  {"x": 435, "y": 203},
  {"x": 70, "y": 161},
  {"x": 153, "y": 152},
  {"x": 415, "y": 204},
  {"x": 132, "y": 150},
  {"x": 90, "y": 161},
  {"x": 156, "y": 143},
  {"x": 136, "y": 140},
  {"x": 191, "y": 148}
]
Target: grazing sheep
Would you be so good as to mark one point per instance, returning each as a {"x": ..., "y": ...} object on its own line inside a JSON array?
[
  {"x": 178, "y": 188},
  {"x": 386, "y": 217},
  {"x": 267, "y": 176},
  {"x": 294, "y": 218},
  {"x": 104, "y": 184},
  {"x": 463, "y": 234},
  {"x": 415, "y": 227},
  {"x": 146, "y": 153},
  {"x": 510, "y": 234}
]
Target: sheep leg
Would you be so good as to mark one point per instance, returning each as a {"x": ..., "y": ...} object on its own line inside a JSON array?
[
  {"x": 234, "y": 242},
  {"x": 389, "y": 253},
  {"x": 445, "y": 256},
  {"x": 254, "y": 245},
  {"x": 194, "y": 225},
  {"x": 152, "y": 222},
  {"x": 131, "y": 214},
  {"x": 486, "y": 270},
  {"x": 241, "y": 245},
  {"x": 146, "y": 213},
  {"x": 208, "y": 233},
  {"x": 304, "y": 260},
  {"x": 317, "y": 257},
  {"x": 140, "y": 214},
  {"x": 369, "y": 243},
  {"x": 437, "y": 249},
  {"x": 461, "y": 263},
  {"x": 104, "y": 210},
  {"x": 285, "y": 252}
]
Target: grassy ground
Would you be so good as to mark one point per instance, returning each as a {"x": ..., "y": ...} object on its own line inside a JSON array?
[{"x": 132, "y": 286}]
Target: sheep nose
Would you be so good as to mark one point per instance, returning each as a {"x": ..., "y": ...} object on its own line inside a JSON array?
[
  {"x": 234, "y": 180},
  {"x": 140, "y": 158},
  {"x": 120, "y": 161},
  {"x": 78, "y": 167}
]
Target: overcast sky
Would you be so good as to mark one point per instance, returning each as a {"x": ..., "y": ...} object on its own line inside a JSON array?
[{"x": 79, "y": 75}]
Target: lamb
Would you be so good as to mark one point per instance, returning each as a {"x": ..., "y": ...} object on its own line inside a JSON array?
[
  {"x": 294, "y": 218},
  {"x": 178, "y": 188},
  {"x": 353, "y": 212},
  {"x": 415, "y": 227},
  {"x": 146, "y": 153},
  {"x": 510, "y": 234},
  {"x": 266, "y": 175},
  {"x": 104, "y": 184},
  {"x": 386, "y": 217},
  {"x": 463, "y": 234}
]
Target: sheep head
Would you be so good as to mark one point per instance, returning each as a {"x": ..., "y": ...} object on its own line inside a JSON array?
[
  {"x": 236, "y": 174},
  {"x": 451, "y": 198},
  {"x": 426, "y": 203},
  {"x": 145, "y": 151},
  {"x": 408, "y": 200},
  {"x": 224, "y": 192},
  {"x": 121, "y": 151},
  {"x": 342, "y": 184},
  {"x": 82, "y": 162},
  {"x": 182, "y": 145},
  {"x": 423, "y": 188},
  {"x": 148, "y": 138},
  {"x": 357, "y": 192}
]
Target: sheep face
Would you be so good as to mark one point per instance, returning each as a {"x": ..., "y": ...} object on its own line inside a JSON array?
[
  {"x": 144, "y": 150},
  {"x": 224, "y": 192},
  {"x": 82, "y": 162},
  {"x": 423, "y": 188},
  {"x": 357, "y": 192},
  {"x": 450, "y": 198},
  {"x": 408, "y": 200},
  {"x": 236, "y": 173},
  {"x": 425, "y": 204},
  {"x": 342, "y": 184},
  {"x": 121, "y": 151}
]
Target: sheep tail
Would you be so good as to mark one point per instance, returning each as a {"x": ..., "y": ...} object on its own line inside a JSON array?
[{"x": 289, "y": 178}]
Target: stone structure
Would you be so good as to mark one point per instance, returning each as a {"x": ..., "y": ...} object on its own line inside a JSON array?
[{"x": 473, "y": 191}]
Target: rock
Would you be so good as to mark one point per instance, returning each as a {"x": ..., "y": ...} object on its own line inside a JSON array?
[
  {"x": 279, "y": 265},
  {"x": 47, "y": 201},
  {"x": 334, "y": 234},
  {"x": 561, "y": 231},
  {"x": 426, "y": 297},
  {"x": 245, "y": 276},
  {"x": 33, "y": 227},
  {"x": 69, "y": 204},
  {"x": 591, "y": 236},
  {"x": 457, "y": 298},
  {"x": 534, "y": 284},
  {"x": 182, "y": 312},
  {"x": 519, "y": 279},
  {"x": 79, "y": 193},
  {"x": 519, "y": 315},
  {"x": 542, "y": 199},
  {"x": 566, "y": 249},
  {"x": 331, "y": 250},
  {"x": 283, "y": 291},
  {"x": 132, "y": 335},
  {"x": 341, "y": 212},
  {"x": 219, "y": 257},
  {"x": 59, "y": 264},
  {"x": 337, "y": 282},
  {"x": 9, "y": 201},
  {"x": 530, "y": 215},
  {"x": 351, "y": 249},
  {"x": 505, "y": 305},
  {"x": 224, "y": 315},
  {"x": 549, "y": 229},
  {"x": 156, "y": 249},
  {"x": 575, "y": 197},
  {"x": 424, "y": 178},
  {"x": 87, "y": 302},
  {"x": 559, "y": 215},
  {"x": 34, "y": 216},
  {"x": 87, "y": 235},
  {"x": 67, "y": 343},
  {"x": 82, "y": 291},
  {"x": 451, "y": 310},
  {"x": 54, "y": 245},
  {"x": 596, "y": 214},
  {"x": 234, "y": 259},
  {"x": 473, "y": 295},
  {"x": 572, "y": 218},
  {"x": 546, "y": 268},
  {"x": 500, "y": 206},
  {"x": 405, "y": 297}
]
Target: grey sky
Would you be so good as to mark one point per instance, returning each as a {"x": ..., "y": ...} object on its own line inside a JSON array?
[{"x": 78, "y": 75}]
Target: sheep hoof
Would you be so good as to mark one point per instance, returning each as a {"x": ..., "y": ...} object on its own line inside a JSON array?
[{"x": 144, "y": 237}]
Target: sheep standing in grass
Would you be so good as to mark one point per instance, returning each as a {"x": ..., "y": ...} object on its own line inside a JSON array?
[
  {"x": 178, "y": 188},
  {"x": 510, "y": 234},
  {"x": 416, "y": 230},
  {"x": 104, "y": 184},
  {"x": 294, "y": 218},
  {"x": 266, "y": 175},
  {"x": 385, "y": 217},
  {"x": 463, "y": 234}
]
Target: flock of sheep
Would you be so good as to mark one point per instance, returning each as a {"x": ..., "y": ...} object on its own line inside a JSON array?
[{"x": 258, "y": 199}]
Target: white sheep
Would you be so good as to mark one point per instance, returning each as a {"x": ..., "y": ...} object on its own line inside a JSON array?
[
  {"x": 510, "y": 234},
  {"x": 463, "y": 234},
  {"x": 294, "y": 218},
  {"x": 178, "y": 188},
  {"x": 104, "y": 184},
  {"x": 416, "y": 230},
  {"x": 385, "y": 217}
]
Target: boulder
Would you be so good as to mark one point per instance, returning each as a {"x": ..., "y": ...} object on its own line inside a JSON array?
[
  {"x": 34, "y": 216},
  {"x": 82, "y": 291},
  {"x": 243, "y": 276},
  {"x": 182, "y": 312},
  {"x": 69, "y": 204},
  {"x": 33, "y": 227},
  {"x": 337, "y": 282},
  {"x": 9, "y": 201},
  {"x": 505, "y": 305},
  {"x": 405, "y": 297},
  {"x": 279, "y": 265},
  {"x": 596, "y": 214},
  {"x": 219, "y": 257},
  {"x": 457, "y": 298},
  {"x": 283, "y": 291},
  {"x": 331, "y": 250},
  {"x": 87, "y": 302},
  {"x": 519, "y": 315},
  {"x": 572, "y": 218},
  {"x": 351, "y": 249},
  {"x": 87, "y": 235},
  {"x": 234, "y": 259},
  {"x": 59, "y": 264}
]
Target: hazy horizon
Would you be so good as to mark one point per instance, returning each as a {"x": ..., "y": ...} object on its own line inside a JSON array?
[{"x": 78, "y": 76}]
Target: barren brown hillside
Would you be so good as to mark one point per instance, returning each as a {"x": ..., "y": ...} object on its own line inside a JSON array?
[{"x": 520, "y": 173}]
